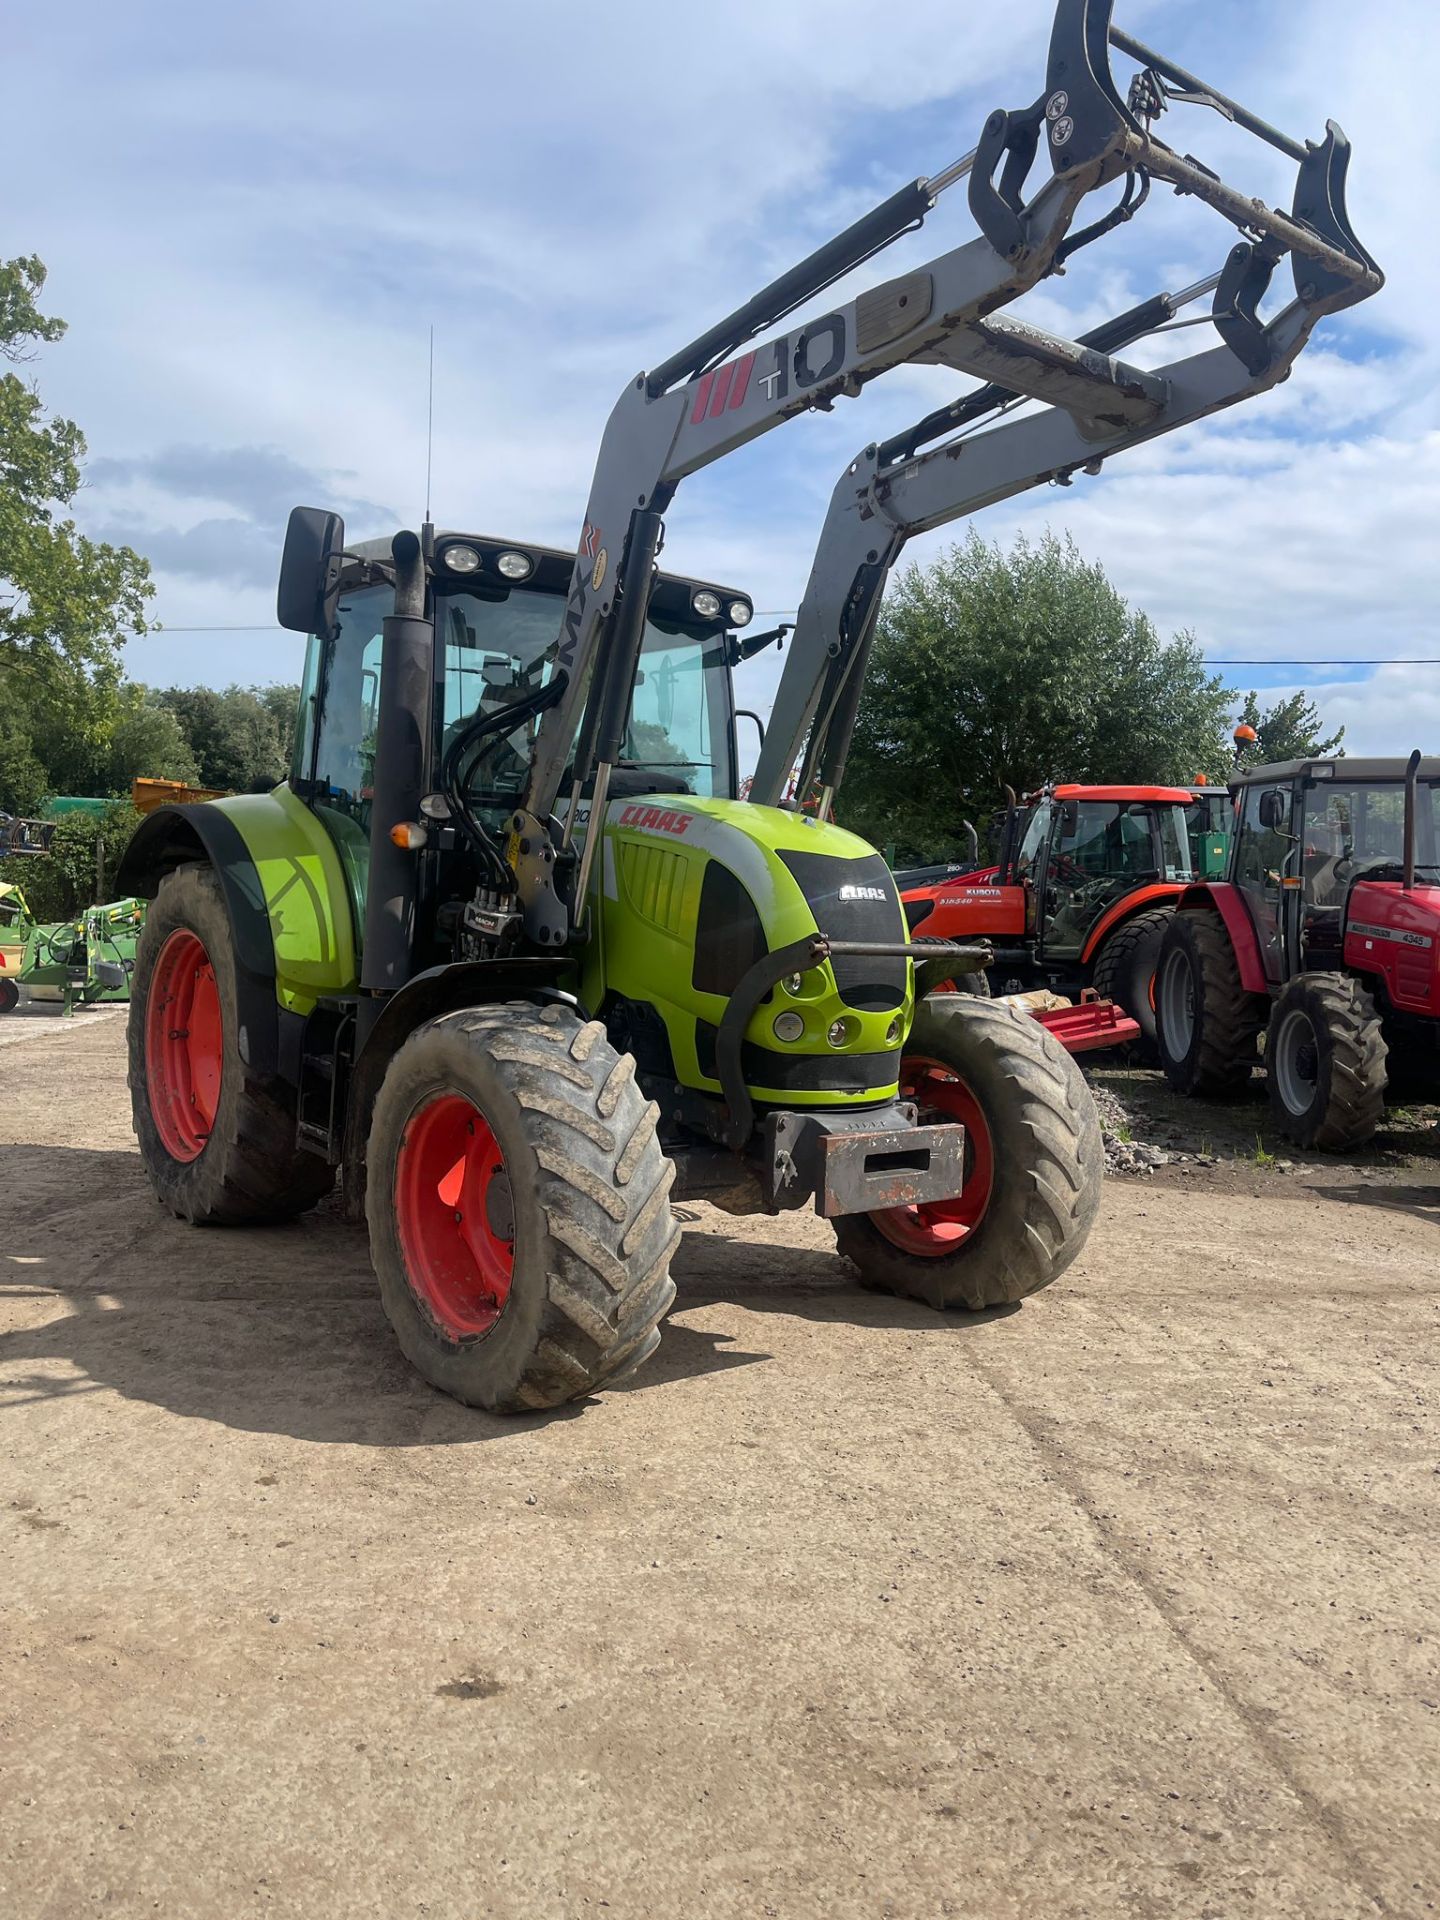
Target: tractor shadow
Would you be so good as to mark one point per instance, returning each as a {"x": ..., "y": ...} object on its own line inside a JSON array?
[
  {"x": 279, "y": 1330},
  {"x": 734, "y": 1260},
  {"x": 1421, "y": 1203}
]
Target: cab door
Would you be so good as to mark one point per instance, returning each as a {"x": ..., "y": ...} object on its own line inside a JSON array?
[
  {"x": 1266, "y": 858},
  {"x": 1099, "y": 850},
  {"x": 1030, "y": 864}
]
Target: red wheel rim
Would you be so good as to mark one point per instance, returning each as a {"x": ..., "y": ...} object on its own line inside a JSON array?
[
  {"x": 939, "y": 1227},
  {"x": 455, "y": 1215},
  {"x": 184, "y": 1045}
]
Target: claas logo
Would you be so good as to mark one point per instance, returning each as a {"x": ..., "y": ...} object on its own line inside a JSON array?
[{"x": 657, "y": 819}]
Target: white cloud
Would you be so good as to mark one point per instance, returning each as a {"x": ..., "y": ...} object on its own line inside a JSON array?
[{"x": 256, "y": 214}]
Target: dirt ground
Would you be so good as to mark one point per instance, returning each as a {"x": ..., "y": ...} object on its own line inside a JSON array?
[{"x": 1123, "y": 1603}]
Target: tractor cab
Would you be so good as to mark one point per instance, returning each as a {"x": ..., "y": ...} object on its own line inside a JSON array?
[
  {"x": 1209, "y": 817},
  {"x": 1081, "y": 850},
  {"x": 1322, "y": 853},
  {"x": 1069, "y": 856},
  {"x": 497, "y": 608}
]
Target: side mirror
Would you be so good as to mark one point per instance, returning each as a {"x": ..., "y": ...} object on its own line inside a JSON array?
[
  {"x": 1069, "y": 818},
  {"x": 1272, "y": 808},
  {"x": 309, "y": 591}
]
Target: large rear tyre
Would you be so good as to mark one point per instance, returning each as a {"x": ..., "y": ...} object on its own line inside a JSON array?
[
  {"x": 217, "y": 1139},
  {"x": 1124, "y": 972},
  {"x": 1034, "y": 1163},
  {"x": 1325, "y": 1063},
  {"x": 1207, "y": 1025},
  {"x": 9, "y": 996},
  {"x": 519, "y": 1207}
]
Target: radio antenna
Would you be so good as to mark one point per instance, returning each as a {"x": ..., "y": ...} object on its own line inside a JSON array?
[{"x": 430, "y": 425}]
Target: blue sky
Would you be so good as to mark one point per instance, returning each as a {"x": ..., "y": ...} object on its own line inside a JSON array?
[{"x": 252, "y": 216}]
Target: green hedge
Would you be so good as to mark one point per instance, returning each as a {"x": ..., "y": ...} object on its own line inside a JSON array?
[{"x": 61, "y": 883}]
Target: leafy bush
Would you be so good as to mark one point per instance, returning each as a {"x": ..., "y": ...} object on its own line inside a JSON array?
[{"x": 61, "y": 883}]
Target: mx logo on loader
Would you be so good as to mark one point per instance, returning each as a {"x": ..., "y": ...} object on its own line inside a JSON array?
[{"x": 590, "y": 549}]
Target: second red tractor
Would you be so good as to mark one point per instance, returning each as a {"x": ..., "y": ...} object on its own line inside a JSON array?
[{"x": 1082, "y": 892}]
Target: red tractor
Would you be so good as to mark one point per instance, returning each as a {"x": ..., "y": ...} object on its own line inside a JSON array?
[
  {"x": 1081, "y": 895},
  {"x": 1321, "y": 938}
]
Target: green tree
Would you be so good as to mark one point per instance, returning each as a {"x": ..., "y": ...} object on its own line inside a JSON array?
[
  {"x": 281, "y": 700},
  {"x": 60, "y": 884},
  {"x": 1291, "y": 729},
  {"x": 994, "y": 669},
  {"x": 23, "y": 780},
  {"x": 66, "y": 603},
  {"x": 237, "y": 739},
  {"x": 148, "y": 742}
]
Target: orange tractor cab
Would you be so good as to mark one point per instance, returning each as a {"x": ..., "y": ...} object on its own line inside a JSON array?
[{"x": 1081, "y": 895}]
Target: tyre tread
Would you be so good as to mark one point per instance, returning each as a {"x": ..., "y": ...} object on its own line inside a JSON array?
[
  {"x": 1230, "y": 1019},
  {"x": 1355, "y": 1108},
  {"x": 604, "y": 1197}
]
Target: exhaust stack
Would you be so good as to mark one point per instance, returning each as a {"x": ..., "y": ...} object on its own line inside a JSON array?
[{"x": 1412, "y": 784}]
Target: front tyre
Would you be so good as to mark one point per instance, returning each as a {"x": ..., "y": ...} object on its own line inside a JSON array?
[
  {"x": 1034, "y": 1162},
  {"x": 1325, "y": 1063},
  {"x": 9, "y": 996},
  {"x": 217, "y": 1139},
  {"x": 519, "y": 1209}
]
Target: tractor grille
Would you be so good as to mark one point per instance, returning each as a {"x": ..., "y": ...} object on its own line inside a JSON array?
[
  {"x": 856, "y": 900},
  {"x": 654, "y": 879}
]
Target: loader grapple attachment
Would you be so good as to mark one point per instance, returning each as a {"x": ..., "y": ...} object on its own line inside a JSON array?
[{"x": 1097, "y": 129}]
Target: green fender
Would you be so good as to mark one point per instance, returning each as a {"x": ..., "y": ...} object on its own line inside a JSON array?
[{"x": 276, "y": 859}]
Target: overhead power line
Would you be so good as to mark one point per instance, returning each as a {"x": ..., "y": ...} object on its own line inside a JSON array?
[
  {"x": 1211, "y": 660},
  {"x": 1395, "y": 660}
]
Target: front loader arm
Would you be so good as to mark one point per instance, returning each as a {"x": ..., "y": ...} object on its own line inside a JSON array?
[
  {"x": 654, "y": 440},
  {"x": 720, "y": 392},
  {"x": 890, "y": 493}
]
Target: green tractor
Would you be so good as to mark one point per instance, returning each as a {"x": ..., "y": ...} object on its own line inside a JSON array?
[
  {"x": 82, "y": 962},
  {"x": 508, "y": 951},
  {"x": 330, "y": 977}
]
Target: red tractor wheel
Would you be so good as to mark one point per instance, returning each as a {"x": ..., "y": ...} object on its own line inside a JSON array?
[
  {"x": 1325, "y": 1056},
  {"x": 941, "y": 1227},
  {"x": 184, "y": 1045},
  {"x": 1034, "y": 1162},
  {"x": 455, "y": 1215}
]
